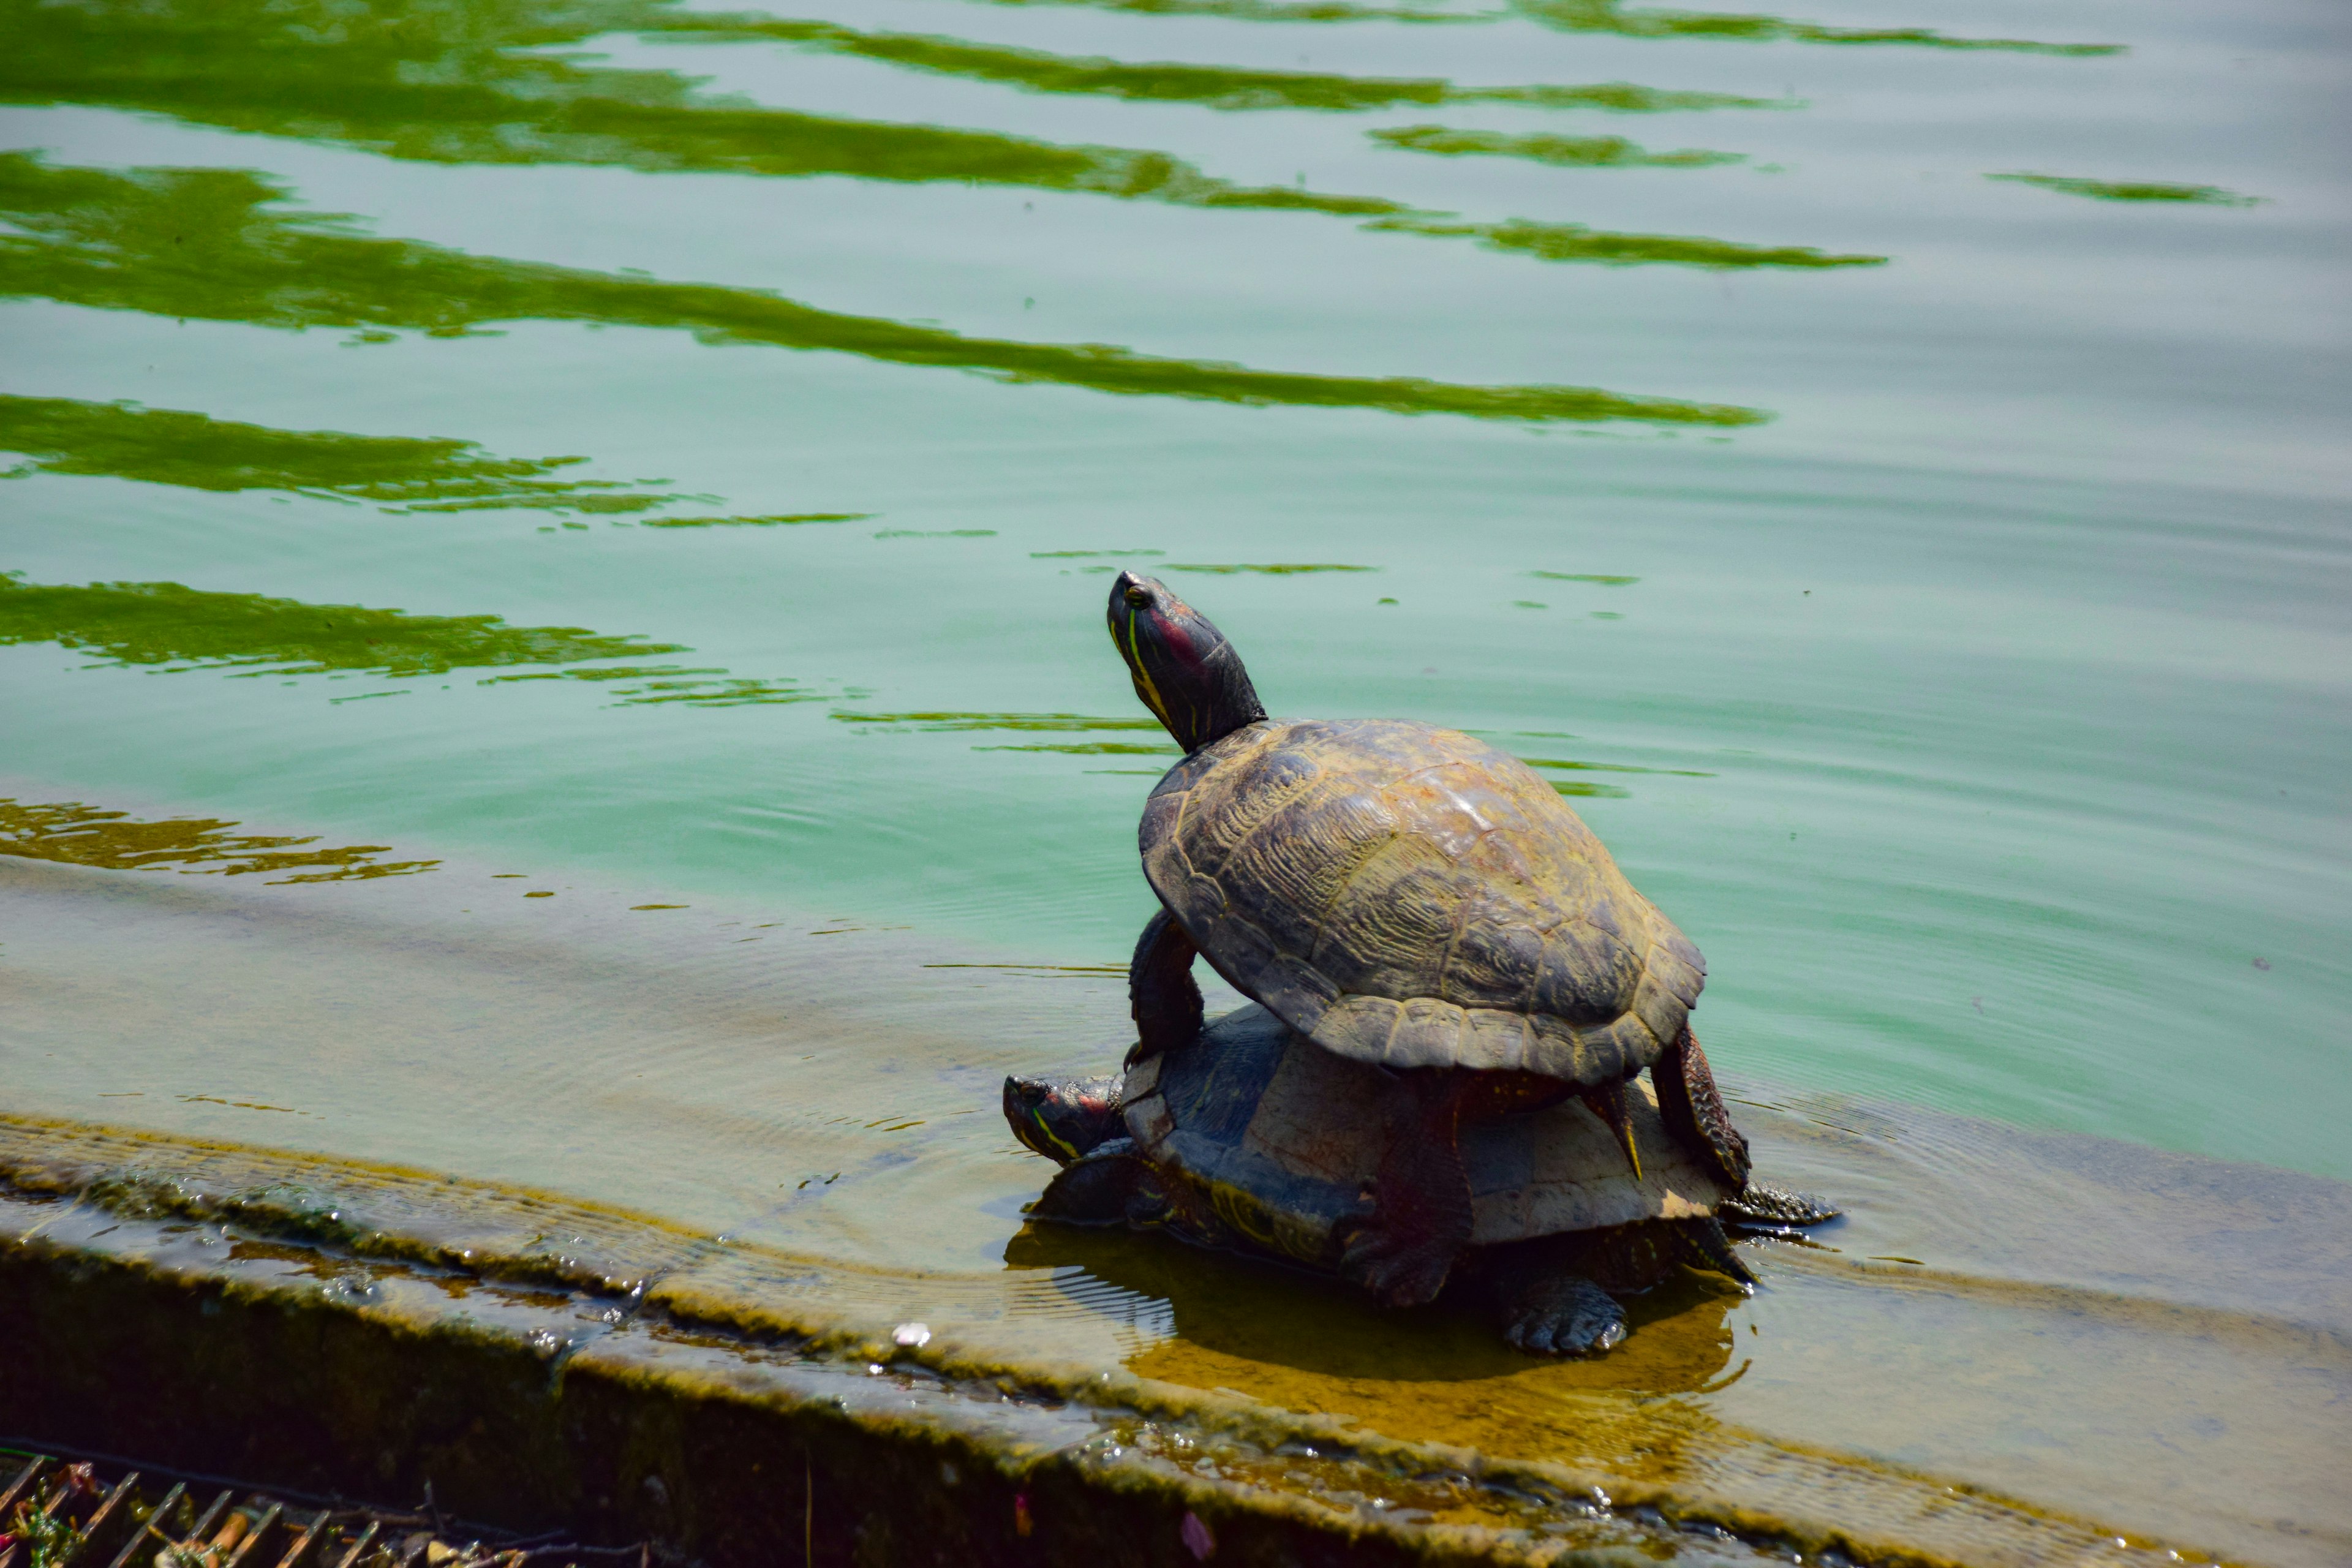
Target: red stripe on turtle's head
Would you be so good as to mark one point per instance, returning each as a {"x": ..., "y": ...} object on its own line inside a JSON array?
[{"x": 1184, "y": 669}]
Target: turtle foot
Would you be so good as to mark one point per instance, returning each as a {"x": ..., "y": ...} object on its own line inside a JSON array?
[
  {"x": 1774, "y": 1211},
  {"x": 1561, "y": 1314},
  {"x": 1400, "y": 1269}
]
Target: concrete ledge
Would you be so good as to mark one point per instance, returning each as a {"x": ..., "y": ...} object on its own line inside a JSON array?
[{"x": 321, "y": 1327}]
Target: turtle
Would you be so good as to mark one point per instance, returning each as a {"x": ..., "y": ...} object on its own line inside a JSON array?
[
  {"x": 1414, "y": 899},
  {"x": 1252, "y": 1138}
]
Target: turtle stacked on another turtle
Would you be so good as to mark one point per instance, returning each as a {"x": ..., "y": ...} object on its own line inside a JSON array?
[
  {"x": 1251, "y": 1137},
  {"x": 1411, "y": 899}
]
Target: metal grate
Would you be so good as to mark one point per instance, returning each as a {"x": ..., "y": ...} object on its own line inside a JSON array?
[{"x": 56, "y": 1513}]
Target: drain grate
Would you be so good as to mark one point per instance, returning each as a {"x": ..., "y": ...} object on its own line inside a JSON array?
[{"x": 61, "y": 1513}]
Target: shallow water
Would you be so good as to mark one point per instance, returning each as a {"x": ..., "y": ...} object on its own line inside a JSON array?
[{"x": 1886, "y": 463}]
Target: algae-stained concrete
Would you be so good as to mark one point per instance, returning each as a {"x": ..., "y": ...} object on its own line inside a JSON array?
[{"x": 544, "y": 1363}]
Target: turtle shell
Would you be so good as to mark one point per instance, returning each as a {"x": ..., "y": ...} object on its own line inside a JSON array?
[
  {"x": 1413, "y": 897},
  {"x": 1278, "y": 1138}
]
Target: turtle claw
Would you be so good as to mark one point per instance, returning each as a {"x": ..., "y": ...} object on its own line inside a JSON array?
[
  {"x": 1563, "y": 1315},
  {"x": 1402, "y": 1271}
]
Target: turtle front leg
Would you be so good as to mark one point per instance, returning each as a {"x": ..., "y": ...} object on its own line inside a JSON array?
[
  {"x": 1420, "y": 1221},
  {"x": 1160, "y": 991},
  {"x": 1694, "y": 1111},
  {"x": 1546, "y": 1305}
]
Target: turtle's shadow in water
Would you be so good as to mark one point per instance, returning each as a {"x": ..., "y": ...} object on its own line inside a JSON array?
[{"x": 1250, "y": 1310}]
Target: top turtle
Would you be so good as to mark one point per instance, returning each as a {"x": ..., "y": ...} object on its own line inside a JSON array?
[
  {"x": 1413, "y": 898},
  {"x": 1407, "y": 897}
]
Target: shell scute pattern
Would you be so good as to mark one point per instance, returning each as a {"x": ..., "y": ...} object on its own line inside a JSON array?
[
  {"x": 1279, "y": 1138},
  {"x": 1413, "y": 897}
]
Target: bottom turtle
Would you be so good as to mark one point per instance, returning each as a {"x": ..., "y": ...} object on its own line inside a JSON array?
[{"x": 1252, "y": 1138}]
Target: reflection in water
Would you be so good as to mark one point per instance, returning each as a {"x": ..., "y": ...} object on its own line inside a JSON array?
[
  {"x": 397, "y": 84},
  {"x": 447, "y": 85},
  {"x": 1574, "y": 242},
  {"x": 1047, "y": 722},
  {"x": 1267, "y": 569},
  {"x": 84, "y": 835},
  {"x": 1563, "y": 151},
  {"x": 2128, "y": 191},
  {"x": 787, "y": 520},
  {"x": 1162, "y": 81},
  {"x": 1280, "y": 1318},
  {"x": 163, "y": 623},
  {"x": 201, "y": 243},
  {"x": 657, "y": 683},
  {"x": 1091, "y": 748},
  {"x": 1612, "y": 16},
  {"x": 1581, "y": 17},
  {"x": 171, "y": 446}
]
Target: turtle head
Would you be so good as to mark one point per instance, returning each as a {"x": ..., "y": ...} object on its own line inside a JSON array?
[
  {"x": 1184, "y": 669},
  {"x": 1062, "y": 1122}
]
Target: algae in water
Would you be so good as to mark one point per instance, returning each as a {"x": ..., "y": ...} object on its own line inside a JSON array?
[
  {"x": 81, "y": 834},
  {"x": 210, "y": 243},
  {"x": 174, "y": 447}
]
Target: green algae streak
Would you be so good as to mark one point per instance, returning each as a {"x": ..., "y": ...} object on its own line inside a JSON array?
[
  {"x": 166, "y": 623},
  {"x": 787, "y": 520},
  {"x": 1562, "y": 151},
  {"x": 1582, "y": 16},
  {"x": 1612, "y": 16},
  {"x": 1267, "y": 569},
  {"x": 449, "y": 84},
  {"x": 660, "y": 683},
  {"x": 2130, "y": 191},
  {"x": 950, "y": 721},
  {"x": 1093, "y": 749},
  {"x": 80, "y": 834},
  {"x": 1162, "y": 81},
  {"x": 1604, "y": 578},
  {"x": 204, "y": 244},
  {"x": 172, "y": 447},
  {"x": 1574, "y": 242}
]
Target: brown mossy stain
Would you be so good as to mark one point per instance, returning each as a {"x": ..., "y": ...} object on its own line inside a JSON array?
[
  {"x": 78, "y": 835},
  {"x": 208, "y": 244}
]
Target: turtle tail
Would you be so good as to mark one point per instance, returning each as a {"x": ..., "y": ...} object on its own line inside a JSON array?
[
  {"x": 1704, "y": 1245},
  {"x": 1694, "y": 1111}
]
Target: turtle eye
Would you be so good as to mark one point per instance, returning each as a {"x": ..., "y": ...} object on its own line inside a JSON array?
[{"x": 1139, "y": 597}]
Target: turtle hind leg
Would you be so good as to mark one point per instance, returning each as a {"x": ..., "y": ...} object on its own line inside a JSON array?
[
  {"x": 1546, "y": 1305},
  {"x": 1160, "y": 991},
  {"x": 1694, "y": 1111},
  {"x": 1774, "y": 1212},
  {"x": 1420, "y": 1217}
]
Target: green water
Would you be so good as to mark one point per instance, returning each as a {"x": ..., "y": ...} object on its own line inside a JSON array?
[
  {"x": 1889, "y": 465},
  {"x": 1948, "y": 579}
]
